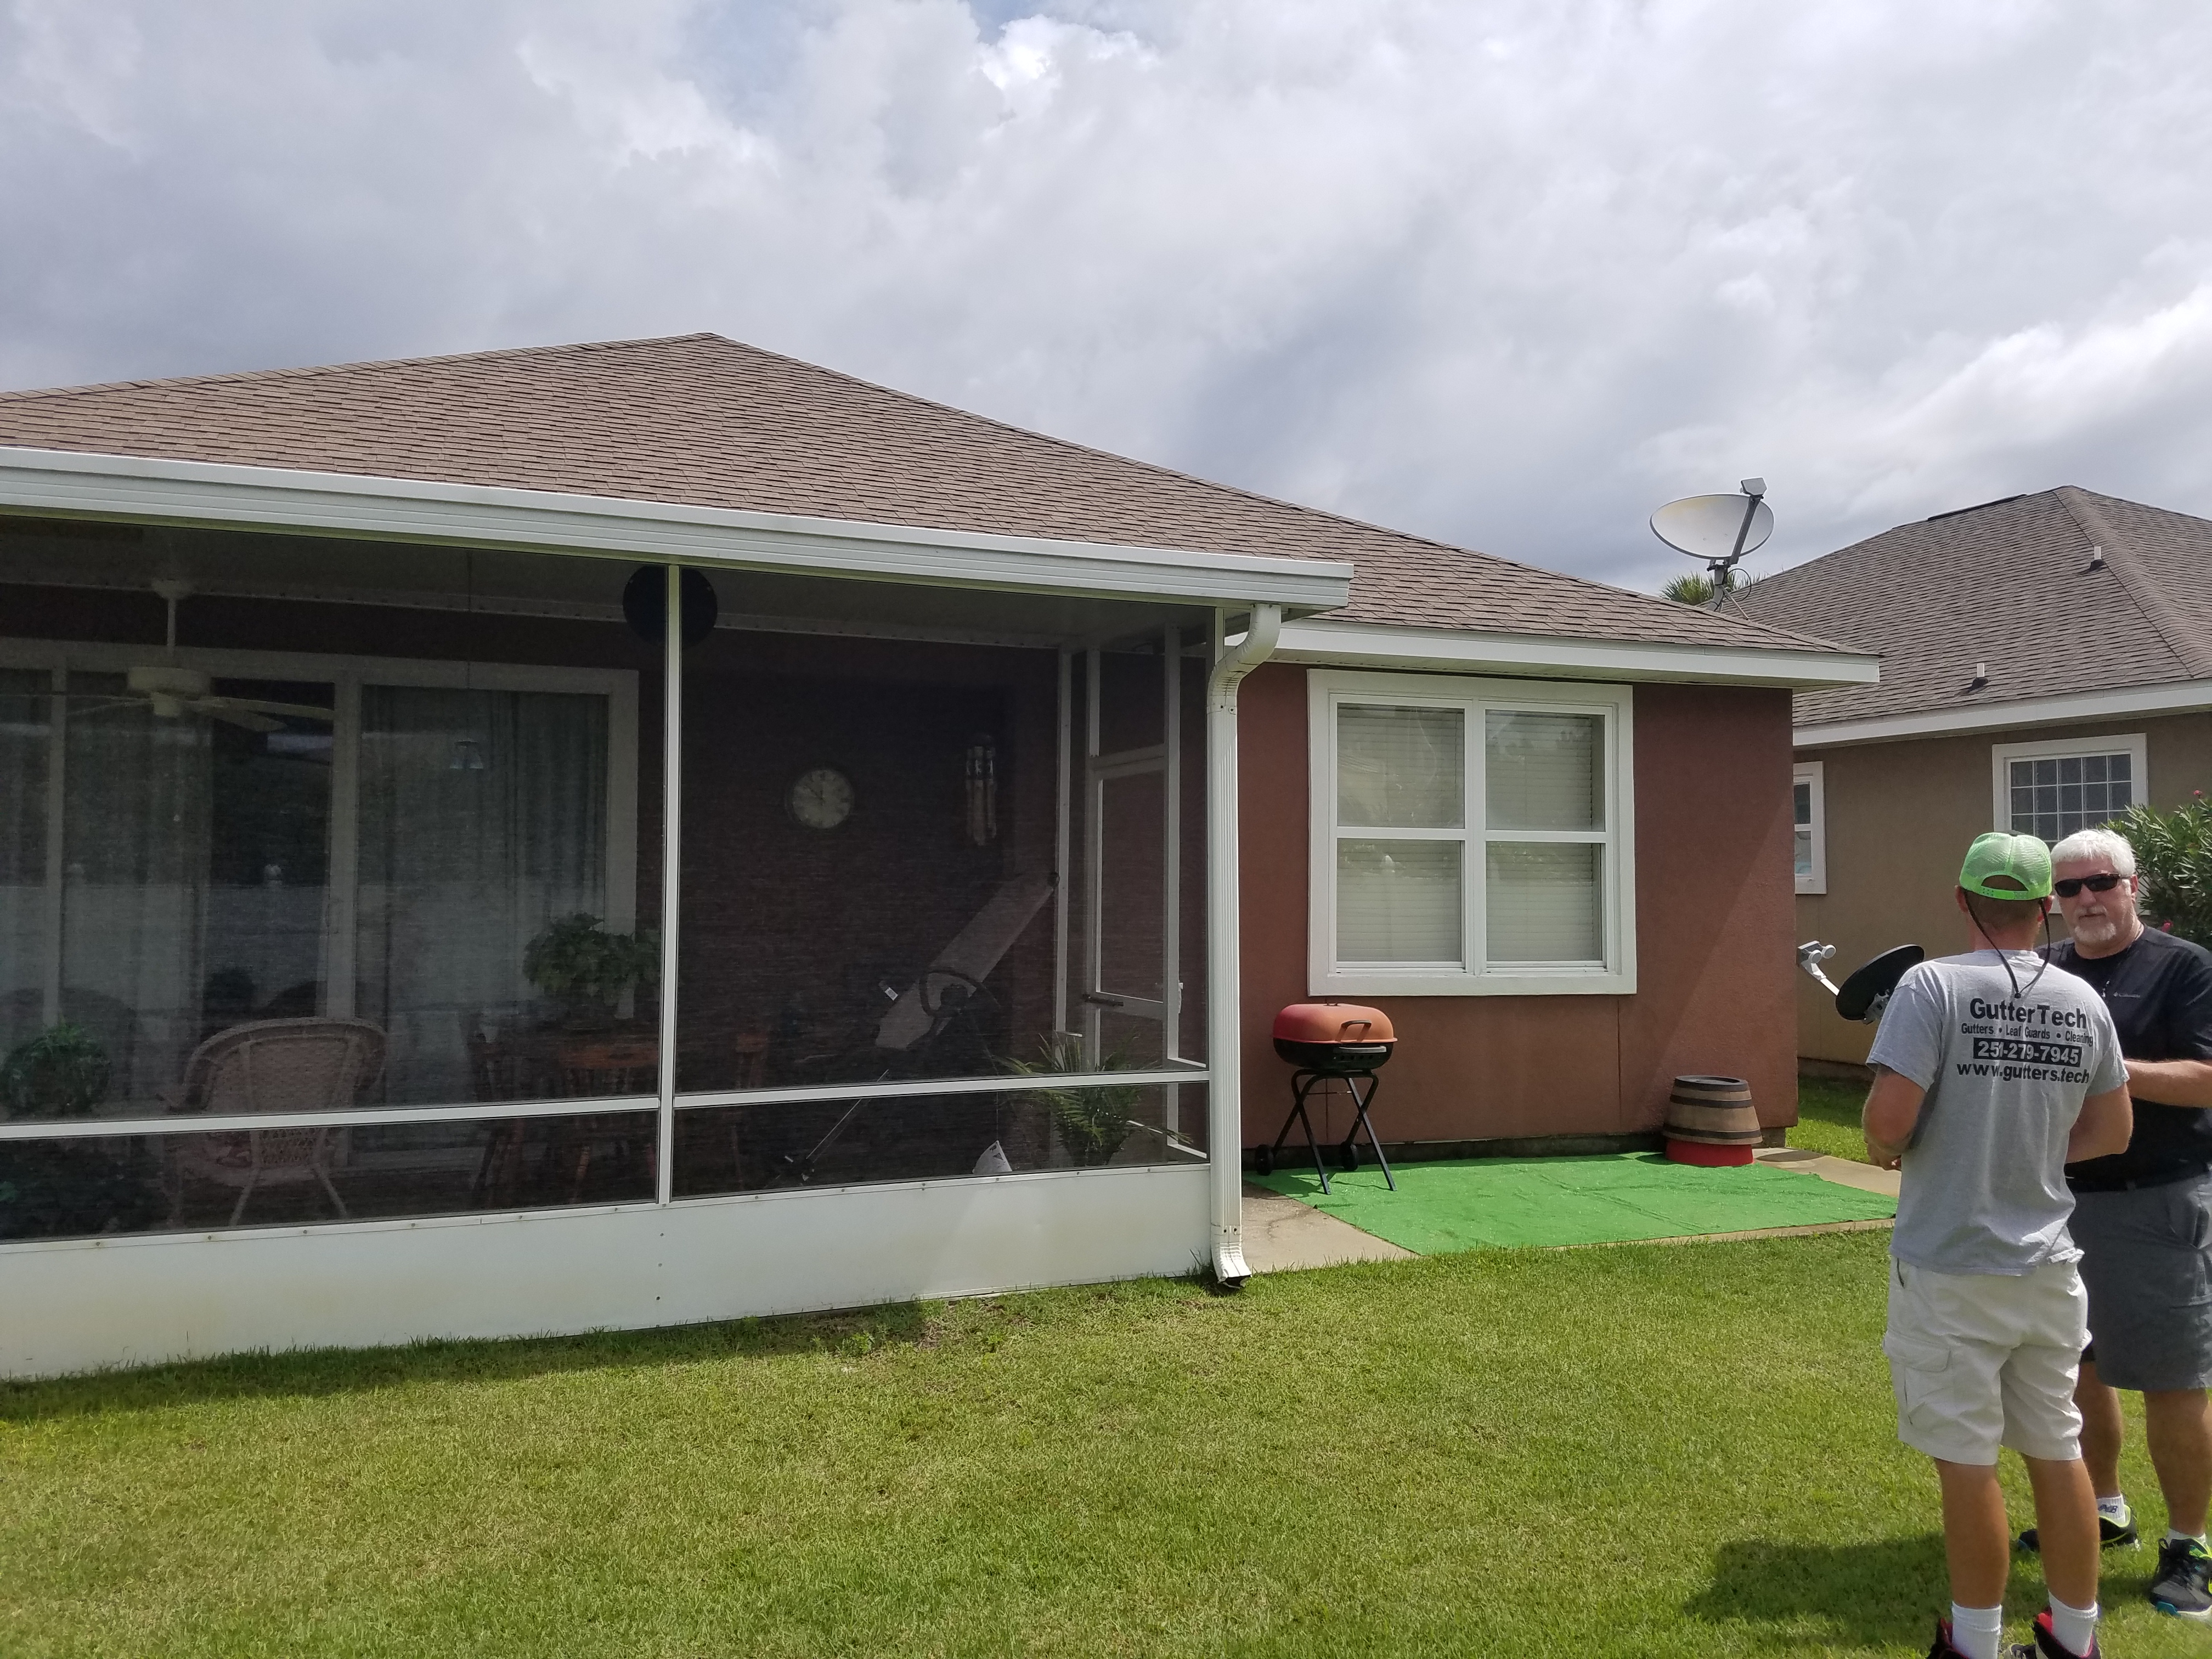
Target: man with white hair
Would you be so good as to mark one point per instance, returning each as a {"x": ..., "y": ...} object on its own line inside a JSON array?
[{"x": 2143, "y": 1217}]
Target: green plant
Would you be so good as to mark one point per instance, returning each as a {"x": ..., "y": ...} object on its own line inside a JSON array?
[
  {"x": 2174, "y": 855},
  {"x": 61, "y": 1073},
  {"x": 576, "y": 960},
  {"x": 1697, "y": 590},
  {"x": 1092, "y": 1122}
]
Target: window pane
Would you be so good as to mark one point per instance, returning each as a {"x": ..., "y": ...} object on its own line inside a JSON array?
[
  {"x": 729, "y": 1149},
  {"x": 482, "y": 823},
  {"x": 1802, "y": 804},
  {"x": 1804, "y": 852},
  {"x": 1543, "y": 903},
  {"x": 1400, "y": 768},
  {"x": 286, "y": 1178},
  {"x": 1543, "y": 772},
  {"x": 1398, "y": 901}
]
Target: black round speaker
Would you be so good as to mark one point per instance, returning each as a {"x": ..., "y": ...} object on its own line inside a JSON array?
[{"x": 645, "y": 602}]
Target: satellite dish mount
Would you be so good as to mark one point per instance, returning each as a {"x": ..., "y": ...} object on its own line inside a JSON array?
[{"x": 1718, "y": 529}]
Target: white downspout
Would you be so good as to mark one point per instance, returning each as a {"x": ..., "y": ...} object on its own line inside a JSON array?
[{"x": 1224, "y": 989}]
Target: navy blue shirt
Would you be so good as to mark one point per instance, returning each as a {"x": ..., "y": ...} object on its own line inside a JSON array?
[{"x": 2159, "y": 992}]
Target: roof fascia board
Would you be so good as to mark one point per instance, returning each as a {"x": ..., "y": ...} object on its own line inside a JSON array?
[
  {"x": 2177, "y": 698},
  {"x": 1322, "y": 640},
  {"x": 204, "y": 495}
]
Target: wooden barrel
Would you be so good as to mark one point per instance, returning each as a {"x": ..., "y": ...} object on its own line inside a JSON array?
[{"x": 1710, "y": 1120}]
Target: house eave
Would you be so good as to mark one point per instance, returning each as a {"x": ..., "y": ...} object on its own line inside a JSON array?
[
  {"x": 2176, "y": 698},
  {"x": 69, "y": 483},
  {"x": 1326, "y": 642}
]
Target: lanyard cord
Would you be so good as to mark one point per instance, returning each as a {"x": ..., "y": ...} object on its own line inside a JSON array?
[{"x": 2004, "y": 956}]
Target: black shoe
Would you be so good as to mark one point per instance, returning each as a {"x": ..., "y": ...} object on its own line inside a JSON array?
[
  {"x": 2048, "y": 1646},
  {"x": 2111, "y": 1536},
  {"x": 1943, "y": 1650},
  {"x": 2179, "y": 1586}
]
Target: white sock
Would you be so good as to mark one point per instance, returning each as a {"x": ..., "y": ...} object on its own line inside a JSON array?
[
  {"x": 2193, "y": 1537},
  {"x": 1976, "y": 1631},
  {"x": 2075, "y": 1627},
  {"x": 2114, "y": 1510}
]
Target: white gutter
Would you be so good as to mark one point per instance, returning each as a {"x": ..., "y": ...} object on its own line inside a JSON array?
[
  {"x": 201, "y": 494},
  {"x": 1325, "y": 640},
  {"x": 1223, "y": 919},
  {"x": 2173, "y": 699}
]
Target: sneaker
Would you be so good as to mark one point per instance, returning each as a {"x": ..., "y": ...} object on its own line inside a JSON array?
[
  {"x": 1943, "y": 1650},
  {"x": 2111, "y": 1536},
  {"x": 2179, "y": 1588},
  {"x": 2047, "y": 1646}
]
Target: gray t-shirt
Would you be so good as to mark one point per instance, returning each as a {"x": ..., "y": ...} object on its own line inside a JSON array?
[{"x": 1984, "y": 1186}]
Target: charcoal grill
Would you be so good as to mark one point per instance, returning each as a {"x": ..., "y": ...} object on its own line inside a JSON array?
[{"x": 1333, "y": 1041}]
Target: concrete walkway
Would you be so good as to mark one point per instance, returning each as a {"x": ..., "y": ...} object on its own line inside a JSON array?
[{"x": 1843, "y": 1171}]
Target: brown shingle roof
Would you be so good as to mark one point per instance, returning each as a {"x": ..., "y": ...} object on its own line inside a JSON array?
[
  {"x": 2008, "y": 585},
  {"x": 699, "y": 420}
]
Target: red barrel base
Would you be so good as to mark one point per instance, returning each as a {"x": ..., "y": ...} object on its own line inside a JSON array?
[{"x": 1709, "y": 1156}]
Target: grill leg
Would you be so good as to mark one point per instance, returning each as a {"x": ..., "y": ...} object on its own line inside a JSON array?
[
  {"x": 1301, "y": 1085},
  {"x": 1360, "y": 1120}
]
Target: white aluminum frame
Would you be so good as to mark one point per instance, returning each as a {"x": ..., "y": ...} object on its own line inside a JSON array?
[
  {"x": 2134, "y": 744},
  {"x": 1814, "y": 773},
  {"x": 1612, "y": 975}
]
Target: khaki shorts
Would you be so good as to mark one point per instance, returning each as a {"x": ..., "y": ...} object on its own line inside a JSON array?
[{"x": 1980, "y": 1360}]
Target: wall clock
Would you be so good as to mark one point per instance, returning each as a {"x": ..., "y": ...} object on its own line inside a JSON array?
[{"x": 821, "y": 798}]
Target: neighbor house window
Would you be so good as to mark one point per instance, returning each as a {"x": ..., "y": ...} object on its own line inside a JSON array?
[
  {"x": 1469, "y": 836},
  {"x": 1809, "y": 813},
  {"x": 2051, "y": 789}
]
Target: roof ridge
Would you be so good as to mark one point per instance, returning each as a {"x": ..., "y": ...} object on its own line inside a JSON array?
[
  {"x": 309, "y": 370},
  {"x": 1322, "y": 513},
  {"x": 2150, "y": 599}
]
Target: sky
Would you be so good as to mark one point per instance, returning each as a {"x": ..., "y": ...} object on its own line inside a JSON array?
[{"x": 1510, "y": 273}]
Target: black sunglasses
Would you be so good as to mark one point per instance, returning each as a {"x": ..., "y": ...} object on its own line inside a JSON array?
[{"x": 2098, "y": 884}]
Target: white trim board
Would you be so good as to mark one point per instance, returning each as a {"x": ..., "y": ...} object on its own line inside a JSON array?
[
  {"x": 1328, "y": 641},
  {"x": 73, "y": 1304},
  {"x": 207, "y": 494},
  {"x": 2187, "y": 696}
]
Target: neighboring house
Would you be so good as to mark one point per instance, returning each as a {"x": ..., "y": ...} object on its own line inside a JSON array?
[
  {"x": 989, "y": 751},
  {"x": 2046, "y": 661}
]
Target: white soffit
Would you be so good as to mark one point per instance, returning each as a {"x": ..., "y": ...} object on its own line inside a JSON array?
[
  {"x": 2179, "y": 698},
  {"x": 205, "y": 495},
  {"x": 1321, "y": 641}
]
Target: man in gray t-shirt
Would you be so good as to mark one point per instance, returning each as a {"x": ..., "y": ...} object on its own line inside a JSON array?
[{"x": 1992, "y": 1072}]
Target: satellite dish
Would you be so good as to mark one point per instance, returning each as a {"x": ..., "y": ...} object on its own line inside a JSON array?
[
  {"x": 1864, "y": 995},
  {"x": 1718, "y": 529}
]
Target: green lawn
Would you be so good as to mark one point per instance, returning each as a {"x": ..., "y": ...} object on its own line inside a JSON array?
[
  {"x": 1642, "y": 1450},
  {"x": 1828, "y": 1117}
]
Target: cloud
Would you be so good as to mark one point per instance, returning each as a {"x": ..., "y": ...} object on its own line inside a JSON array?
[{"x": 1511, "y": 272}]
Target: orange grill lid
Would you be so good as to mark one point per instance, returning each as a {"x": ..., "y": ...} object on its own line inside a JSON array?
[{"x": 1334, "y": 1022}]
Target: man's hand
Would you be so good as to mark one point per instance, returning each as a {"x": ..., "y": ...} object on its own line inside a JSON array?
[
  {"x": 1892, "y": 1112},
  {"x": 2171, "y": 1082},
  {"x": 2106, "y": 1122}
]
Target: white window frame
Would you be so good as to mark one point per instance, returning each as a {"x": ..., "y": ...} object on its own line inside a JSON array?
[
  {"x": 1615, "y": 976},
  {"x": 346, "y": 676},
  {"x": 1812, "y": 772},
  {"x": 2002, "y": 755}
]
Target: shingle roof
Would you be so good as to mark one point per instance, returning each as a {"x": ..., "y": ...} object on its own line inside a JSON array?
[
  {"x": 703, "y": 421},
  {"x": 2009, "y": 585}
]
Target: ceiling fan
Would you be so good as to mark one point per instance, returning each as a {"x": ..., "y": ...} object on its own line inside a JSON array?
[{"x": 175, "y": 692}]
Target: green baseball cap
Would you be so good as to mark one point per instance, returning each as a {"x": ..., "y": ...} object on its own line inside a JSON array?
[{"x": 2002, "y": 867}]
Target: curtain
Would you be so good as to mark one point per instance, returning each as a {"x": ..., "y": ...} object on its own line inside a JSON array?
[{"x": 483, "y": 818}]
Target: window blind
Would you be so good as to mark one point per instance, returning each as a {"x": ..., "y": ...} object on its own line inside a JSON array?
[
  {"x": 1398, "y": 901},
  {"x": 1400, "y": 768}
]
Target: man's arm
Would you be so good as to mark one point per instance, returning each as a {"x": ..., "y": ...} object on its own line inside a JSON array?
[
  {"x": 2106, "y": 1123},
  {"x": 1892, "y": 1112},
  {"x": 2171, "y": 1082}
]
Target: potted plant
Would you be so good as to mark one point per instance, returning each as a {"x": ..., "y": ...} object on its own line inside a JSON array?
[
  {"x": 581, "y": 965},
  {"x": 61, "y": 1073},
  {"x": 1093, "y": 1121}
]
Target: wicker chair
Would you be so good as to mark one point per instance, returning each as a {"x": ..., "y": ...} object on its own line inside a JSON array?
[{"x": 271, "y": 1066}]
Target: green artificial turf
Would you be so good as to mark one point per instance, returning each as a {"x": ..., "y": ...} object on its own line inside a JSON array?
[
  {"x": 1828, "y": 1117},
  {"x": 1469, "y": 1203},
  {"x": 1667, "y": 1452}
]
